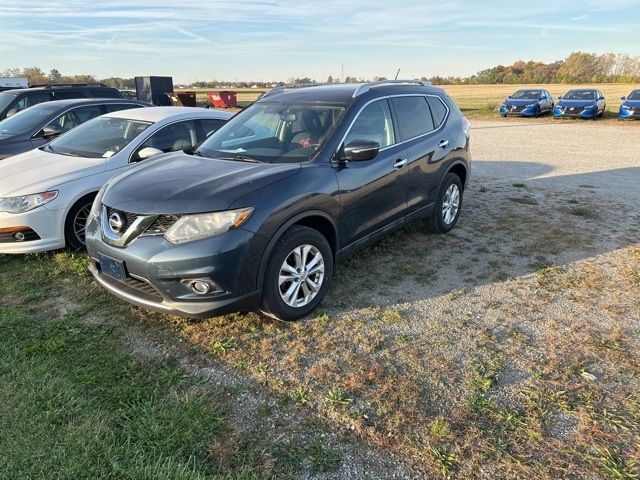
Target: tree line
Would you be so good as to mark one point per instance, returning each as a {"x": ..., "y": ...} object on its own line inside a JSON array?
[{"x": 579, "y": 67}]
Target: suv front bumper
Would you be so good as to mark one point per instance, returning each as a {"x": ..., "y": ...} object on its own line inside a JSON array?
[{"x": 158, "y": 272}]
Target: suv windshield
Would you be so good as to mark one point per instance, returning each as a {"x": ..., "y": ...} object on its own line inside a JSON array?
[
  {"x": 526, "y": 95},
  {"x": 100, "y": 137},
  {"x": 635, "y": 95},
  {"x": 274, "y": 132},
  {"x": 580, "y": 95},
  {"x": 27, "y": 120}
]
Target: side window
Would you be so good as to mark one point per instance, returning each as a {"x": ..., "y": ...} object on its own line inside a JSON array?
[
  {"x": 116, "y": 107},
  {"x": 31, "y": 100},
  {"x": 67, "y": 94},
  {"x": 413, "y": 116},
  {"x": 104, "y": 93},
  {"x": 75, "y": 117},
  {"x": 210, "y": 125},
  {"x": 374, "y": 123},
  {"x": 174, "y": 137},
  {"x": 438, "y": 109}
]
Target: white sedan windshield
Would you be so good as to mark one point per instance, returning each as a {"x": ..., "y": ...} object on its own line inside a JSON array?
[{"x": 98, "y": 138}]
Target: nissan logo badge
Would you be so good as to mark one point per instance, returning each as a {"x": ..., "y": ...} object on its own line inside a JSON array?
[{"x": 116, "y": 222}]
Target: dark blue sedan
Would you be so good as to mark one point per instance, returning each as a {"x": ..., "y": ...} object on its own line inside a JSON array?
[
  {"x": 630, "y": 107},
  {"x": 580, "y": 103},
  {"x": 527, "y": 103}
]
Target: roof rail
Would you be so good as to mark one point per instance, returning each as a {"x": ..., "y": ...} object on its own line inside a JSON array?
[
  {"x": 282, "y": 88},
  {"x": 49, "y": 85},
  {"x": 365, "y": 87}
]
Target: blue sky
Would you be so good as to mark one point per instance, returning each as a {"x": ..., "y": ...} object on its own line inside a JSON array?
[{"x": 264, "y": 40}]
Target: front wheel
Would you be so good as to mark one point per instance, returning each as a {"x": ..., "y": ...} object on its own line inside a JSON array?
[
  {"x": 447, "y": 208},
  {"x": 76, "y": 223},
  {"x": 298, "y": 274}
]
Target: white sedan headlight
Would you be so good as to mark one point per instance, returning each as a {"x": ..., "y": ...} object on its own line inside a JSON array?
[
  {"x": 203, "y": 225},
  {"x": 25, "y": 203}
]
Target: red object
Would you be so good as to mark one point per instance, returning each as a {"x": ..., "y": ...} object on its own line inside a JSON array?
[{"x": 222, "y": 99}]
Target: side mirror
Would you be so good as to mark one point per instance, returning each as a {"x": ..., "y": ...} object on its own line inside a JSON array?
[
  {"x": 601, "y": 98},
  {"x": 148, "y": 152},
  {"x": 49, "y": 131},
  {"x": 360, "y": 150},
  {"x": 560, "y": 97},
  {"x": 11, "y": 112},
  {"x": 623, "y": 98}
]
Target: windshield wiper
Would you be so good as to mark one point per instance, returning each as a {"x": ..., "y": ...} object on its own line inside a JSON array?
[
  {"x": 68, "y": 153},
  {"x": 242, "y": 158}
]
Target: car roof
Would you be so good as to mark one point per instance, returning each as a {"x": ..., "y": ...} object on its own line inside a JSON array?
[
  {"x": 583, "y": 89},
  {"x": 155, "y": 114},
  {"x": 84, "y": 101},
  {"x": 347, "y": 93}
]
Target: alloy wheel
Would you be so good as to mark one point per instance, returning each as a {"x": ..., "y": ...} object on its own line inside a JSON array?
[
  {"x": 301, "y": 276},
  {"x": 80, "y": 223},
  {"x": 450, "y": 204}
]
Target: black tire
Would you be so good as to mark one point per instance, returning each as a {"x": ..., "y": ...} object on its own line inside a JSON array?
[
  {"x": 272, "y": 301},
  {"x": 436, "y": 222},
  {"x": 73, "y": 238}
]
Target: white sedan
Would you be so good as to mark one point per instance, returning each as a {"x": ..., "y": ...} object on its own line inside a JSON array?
[{"x": 46, "y": 193}]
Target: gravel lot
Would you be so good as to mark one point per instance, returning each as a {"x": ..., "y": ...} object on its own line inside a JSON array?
[{"x": 563, "y": 153}]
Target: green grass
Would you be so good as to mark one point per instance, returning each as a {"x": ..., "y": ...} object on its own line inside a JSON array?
[{"x": 73, "y": 404}]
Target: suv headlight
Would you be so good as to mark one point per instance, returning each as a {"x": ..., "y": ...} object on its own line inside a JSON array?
[
  {"x": 25, "y": 203},
  {"x": 203, "y": 225}
]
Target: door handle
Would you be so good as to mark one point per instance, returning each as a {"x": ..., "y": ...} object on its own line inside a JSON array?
[
  {"x": 443, "y": 143},
  {"x": 401, "y": 162}
]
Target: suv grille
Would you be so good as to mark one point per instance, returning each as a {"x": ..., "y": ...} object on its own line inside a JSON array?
[
  {"x": 162, "y": 224},
  {"x": 143, "y": 287},
  {"x": 129, "y": 218},
  {"x": 158, "y": 227}
]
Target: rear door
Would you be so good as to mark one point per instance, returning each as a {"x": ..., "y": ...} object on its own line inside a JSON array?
[
  {"x": 372, "y": 193},
  {"x": 427, "y": 145}
]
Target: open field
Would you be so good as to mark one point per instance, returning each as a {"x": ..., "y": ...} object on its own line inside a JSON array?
[
  {"x": 508, "y": 349},
  {"x": 482, "y": 100}
]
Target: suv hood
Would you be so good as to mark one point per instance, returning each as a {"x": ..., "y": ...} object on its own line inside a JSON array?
[
  {"x": 178, "y": 183},
  {"x": 37, "y": 171},
  {"x": 632, "y": 103}
]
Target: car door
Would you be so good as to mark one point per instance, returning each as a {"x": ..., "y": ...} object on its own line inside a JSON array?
[
  {"x": 372, "y": 192},
  {"x": 425, "y": 147},
  {"x": 68, "y": 120}
]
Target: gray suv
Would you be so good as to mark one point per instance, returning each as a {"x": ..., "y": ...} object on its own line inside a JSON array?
[{"x": 259, "y": 214}]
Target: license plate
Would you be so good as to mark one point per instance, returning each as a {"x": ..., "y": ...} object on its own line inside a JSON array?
[{"x": 112, "y": 268}]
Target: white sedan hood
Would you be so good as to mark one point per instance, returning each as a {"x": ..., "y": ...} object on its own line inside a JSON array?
[{"x": 37, "y": 171}]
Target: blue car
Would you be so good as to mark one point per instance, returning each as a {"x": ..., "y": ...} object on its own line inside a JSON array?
[
  {"x": 630, "y": 107},
  {"x": 580, "y": 103},
  {"x": 527, "y": 103}
]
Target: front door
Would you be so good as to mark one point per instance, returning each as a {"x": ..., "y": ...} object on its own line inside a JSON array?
[{"x": 372, "y": 192}]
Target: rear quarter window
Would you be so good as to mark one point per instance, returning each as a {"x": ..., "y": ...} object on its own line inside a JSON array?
[
  {"x": 438, "y": 109},
  {"x": 413, "y": 116}
]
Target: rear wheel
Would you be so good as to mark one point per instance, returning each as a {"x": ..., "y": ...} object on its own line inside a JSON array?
[
  {"x": 76, "y": 222},
  {"x": 298, "y": 274},
  {"x": 447, "y": 208}
]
